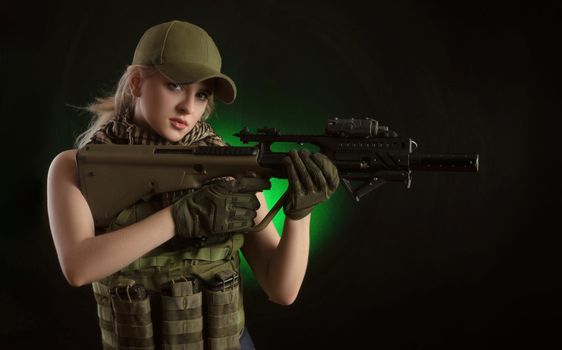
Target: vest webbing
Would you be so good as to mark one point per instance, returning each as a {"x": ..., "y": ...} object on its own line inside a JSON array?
[
  {"x": 135, "y": 324},
  {"x": 202, "y": 254},
  {"x": 149, "y": 323}
]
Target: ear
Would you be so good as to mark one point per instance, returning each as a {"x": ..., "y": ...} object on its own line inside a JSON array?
[{"x": 135, "y": 85}]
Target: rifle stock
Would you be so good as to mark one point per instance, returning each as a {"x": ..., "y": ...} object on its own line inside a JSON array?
[{"x": 114, "y": 177}]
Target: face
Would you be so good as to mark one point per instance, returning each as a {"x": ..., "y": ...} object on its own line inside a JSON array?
[{"x": 166, "y": 108}]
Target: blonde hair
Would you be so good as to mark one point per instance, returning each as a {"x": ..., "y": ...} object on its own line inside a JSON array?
[{"x": 122, "y": 102}]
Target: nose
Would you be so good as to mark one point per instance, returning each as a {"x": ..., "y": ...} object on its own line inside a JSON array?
[{"x": 185, "y": 106}]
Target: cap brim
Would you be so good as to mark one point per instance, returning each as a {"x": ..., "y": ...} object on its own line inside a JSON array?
[{"x": 187, "y": 73}]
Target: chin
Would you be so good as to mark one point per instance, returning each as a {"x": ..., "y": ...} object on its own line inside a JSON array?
[{"x": 175, "y": 136}]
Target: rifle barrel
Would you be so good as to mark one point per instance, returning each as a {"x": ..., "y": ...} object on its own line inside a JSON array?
[{"x": 461, "y": 162}]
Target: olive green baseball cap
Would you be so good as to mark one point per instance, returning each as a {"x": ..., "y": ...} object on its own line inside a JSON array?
[{"x": 184, "y": 53}]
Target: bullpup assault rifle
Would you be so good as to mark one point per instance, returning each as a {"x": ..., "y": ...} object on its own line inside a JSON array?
[{"x": 114, "y": 177}]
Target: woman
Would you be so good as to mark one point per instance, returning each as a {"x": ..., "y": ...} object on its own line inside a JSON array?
[{"x": 152, "y": 286}]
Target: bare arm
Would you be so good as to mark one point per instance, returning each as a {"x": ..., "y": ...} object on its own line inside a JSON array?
[
  {"x": 279, "y": 263},
  {"x": 84, "y": 257}
]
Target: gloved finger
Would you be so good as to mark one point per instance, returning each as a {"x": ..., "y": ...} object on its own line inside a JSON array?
[
  {"x": 292, "y": 176},
  {"x": 224, "y": 186},
  {"x": 245, "y": 201},
  {"x": 252, "y": 184},
  {"x": 241, "y": 225},
  {"x": 316, "y": 174},
  {"x": 302, "y": 172},
  {"x": 242, "y": 214},
  {"x": 328, "y": 169}
]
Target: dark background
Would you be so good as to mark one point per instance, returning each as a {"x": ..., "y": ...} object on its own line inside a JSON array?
[{"x": 459, "y": 261}]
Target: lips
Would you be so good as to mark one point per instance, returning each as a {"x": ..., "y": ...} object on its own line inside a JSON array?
[{"x": 178, "y": 123}]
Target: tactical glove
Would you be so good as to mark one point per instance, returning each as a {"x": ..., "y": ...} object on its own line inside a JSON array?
[
  {"x": 312, "y": 180},
  {"x": 220, "y": 207}
]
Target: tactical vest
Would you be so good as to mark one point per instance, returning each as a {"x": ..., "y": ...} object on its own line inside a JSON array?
[{"x": 174, "y": 297}]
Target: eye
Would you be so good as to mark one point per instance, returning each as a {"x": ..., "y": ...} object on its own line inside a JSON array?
[
  {"x": 173, "y": 86},
  {"x": 203, "y": 95}
]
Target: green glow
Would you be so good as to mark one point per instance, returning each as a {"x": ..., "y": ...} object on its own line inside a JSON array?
[{"x": 325, "y": 217}]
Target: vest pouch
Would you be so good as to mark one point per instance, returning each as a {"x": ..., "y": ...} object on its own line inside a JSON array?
[
  {"x": 222, "y": 294},
  {"x": 182, "y": 316},
  {"x": 105, "y": 316},
  {"x": 133, "y": 324}
]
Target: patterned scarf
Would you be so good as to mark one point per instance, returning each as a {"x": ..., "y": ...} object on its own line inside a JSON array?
[{"x": 121, "y": 130}]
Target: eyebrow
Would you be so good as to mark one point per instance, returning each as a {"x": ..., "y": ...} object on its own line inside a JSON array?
[
  {"x": 205, "y": 89},
  {"x": 184, "y": 84}
]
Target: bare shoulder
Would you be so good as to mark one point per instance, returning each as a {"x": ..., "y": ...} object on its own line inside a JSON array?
[
  {"x": 65, "y": 201},
  {"x": 65, "y": 156},
  {"x": 63, "y": 166}
]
